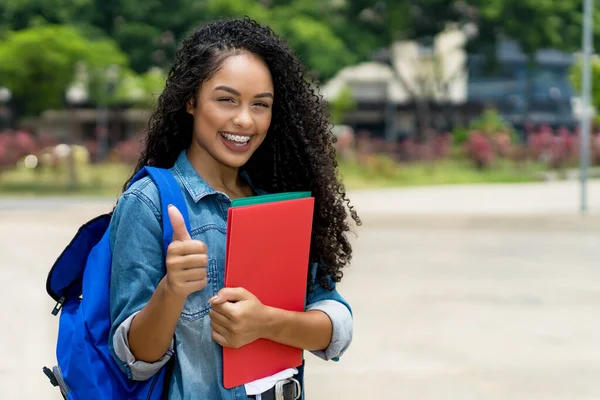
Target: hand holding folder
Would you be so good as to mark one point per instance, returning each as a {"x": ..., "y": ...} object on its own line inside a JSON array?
[{"x": 268, "y": 246}]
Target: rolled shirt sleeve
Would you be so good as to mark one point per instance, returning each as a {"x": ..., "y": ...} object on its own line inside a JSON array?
[
  {"x": 342, "y": 328},
  {"x": 339, "y": 312},
  {"x": 139, "y": 370}
]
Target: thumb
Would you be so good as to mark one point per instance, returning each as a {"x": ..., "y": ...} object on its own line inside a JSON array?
[
  {"x": 180, "y": 231},
  {"x": 230, "y": 295}
]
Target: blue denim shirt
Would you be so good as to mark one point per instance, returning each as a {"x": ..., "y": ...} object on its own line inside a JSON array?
[{"x": 138, "y": 266}]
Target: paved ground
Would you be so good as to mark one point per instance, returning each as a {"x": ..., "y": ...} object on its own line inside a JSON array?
[
  {"x": 494, "y": 297},
  {"x": 551, "y": 198}
]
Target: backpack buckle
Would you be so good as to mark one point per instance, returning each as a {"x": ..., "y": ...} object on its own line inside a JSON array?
[
  {"x": 50, "y": 376},
  {"x": 58, "y": 306}
]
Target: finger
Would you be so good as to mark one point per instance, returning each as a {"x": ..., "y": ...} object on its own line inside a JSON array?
[
  {"x": 230, "y": 294},
  {"x": 221, "y": 330},
  {"x": 192, "y": 274},
  {"x": 226, "y": 309},
  {"x": 190, "y": 261},
  {"x": 216, "y": 300},
  {"x": 188, "y": 247},
  {"x": 220, "y": 339},
  {"x": 219, "y": 318},
  {"x": 188, "y": 287},
  {"x": 195, "y": 286},
  {"x": 180, "y": 231}
]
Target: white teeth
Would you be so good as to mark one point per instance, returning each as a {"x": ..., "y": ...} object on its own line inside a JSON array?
[{"x": 236, "y": 138}]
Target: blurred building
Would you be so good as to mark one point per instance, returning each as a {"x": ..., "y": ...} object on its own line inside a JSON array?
[
  {"x": 542, "y": 95},
  {"x": 407, "y": 79},
  {"x": 453, "y": 87},
  {"x": 80, "y": 125}
]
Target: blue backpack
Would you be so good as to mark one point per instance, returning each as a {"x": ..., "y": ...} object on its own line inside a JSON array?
[{"x": 79, "y": 281}]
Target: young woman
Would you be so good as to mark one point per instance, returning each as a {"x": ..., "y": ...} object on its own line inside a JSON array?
[{"x": 238, "y": 117}]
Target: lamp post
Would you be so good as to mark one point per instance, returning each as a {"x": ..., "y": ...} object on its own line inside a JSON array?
[
  {"x": 111, "y": 76},
  {"x": 5, "y": 96},
  {"x": 76, "y": 95},
  {"x": 389, "y": 112},
  {"x": 586, "y": 88}
]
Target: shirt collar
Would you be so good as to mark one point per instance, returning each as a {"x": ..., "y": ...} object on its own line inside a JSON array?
[{"x": 193, "y": 182}]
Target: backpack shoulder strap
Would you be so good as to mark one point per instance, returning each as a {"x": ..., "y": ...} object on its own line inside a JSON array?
[
  {"x": 65, "y": 276},
  {"x": 170, "y": 193}
]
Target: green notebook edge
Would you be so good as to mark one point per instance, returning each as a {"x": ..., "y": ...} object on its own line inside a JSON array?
[{"x": 268, "y": 198}]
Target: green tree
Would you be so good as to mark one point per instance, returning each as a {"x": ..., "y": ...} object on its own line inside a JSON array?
[
  {"x": 148, "y": 31},
  {"x": 346, "y": 30},
  {"x": 343, "y": 103},
  {"x": 138, "y": 41},
  {"x": 303, "y": 23},
  {"x": 37, "y": 64},
  {"x": 314, "y": 42},
  {"x": 140, "y": 90},
  {"x": 21, "y": 14},
  {"x": 576, "y": 79},
  {"x": 534, "y": 24}
]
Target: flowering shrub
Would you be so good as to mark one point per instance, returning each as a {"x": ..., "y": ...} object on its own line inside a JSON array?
[
  {"x": 480, "y": 150},
  {"x": 127, "y": 151},
  {"x": 14, "y": 146}
]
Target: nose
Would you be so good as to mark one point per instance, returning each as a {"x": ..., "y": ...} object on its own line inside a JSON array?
[{"x": 243, "y": 119}]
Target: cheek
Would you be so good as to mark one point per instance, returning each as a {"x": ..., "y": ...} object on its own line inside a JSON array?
[
  {"x": 208, "y": 119},
  {"x": 264, "y": 122}
]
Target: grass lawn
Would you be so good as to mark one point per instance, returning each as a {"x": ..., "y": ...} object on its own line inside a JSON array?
[
  {"x": 106, "y": 179},
  {"x": 447, "y": 172},
  {"x": 93, "y": 180}
]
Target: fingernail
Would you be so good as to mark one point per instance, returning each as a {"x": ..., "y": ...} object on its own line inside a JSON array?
[
  {"x": 171, "y": 205},
  {"x": 212, "y": 299}
]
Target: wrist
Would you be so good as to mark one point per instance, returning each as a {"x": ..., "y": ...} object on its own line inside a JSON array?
[
  {"x": 169, "y": 295},
  {"x": 271, "y": 322}
]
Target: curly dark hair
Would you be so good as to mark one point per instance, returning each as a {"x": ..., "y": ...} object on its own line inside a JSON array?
[{"x": 298, "y": 153}]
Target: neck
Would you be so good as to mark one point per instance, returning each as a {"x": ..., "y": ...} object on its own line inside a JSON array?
[{"x": 218, "y": 176}]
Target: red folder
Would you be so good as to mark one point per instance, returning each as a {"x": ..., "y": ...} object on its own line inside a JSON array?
[{"x": 268, "y": 248}]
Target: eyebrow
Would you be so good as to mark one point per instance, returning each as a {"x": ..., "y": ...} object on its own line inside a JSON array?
[{"x": 235, "y": 92}]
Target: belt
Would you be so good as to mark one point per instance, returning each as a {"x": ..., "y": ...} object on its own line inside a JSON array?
[{"x": 287, "y": 389}]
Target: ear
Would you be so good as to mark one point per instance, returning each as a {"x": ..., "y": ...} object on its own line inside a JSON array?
[{"x": 190, "y": 105}]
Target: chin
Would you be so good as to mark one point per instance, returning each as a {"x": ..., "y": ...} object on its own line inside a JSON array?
[
  {"x": 234, "y": 161},
  {"x": 234, "y": 157}
]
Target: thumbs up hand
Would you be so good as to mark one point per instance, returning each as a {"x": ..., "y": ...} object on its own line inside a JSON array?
[{"x": 187, "y": 259}]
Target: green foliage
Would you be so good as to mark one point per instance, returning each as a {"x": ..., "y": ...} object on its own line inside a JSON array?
[
  {"x": 216, "y": 9},
  {"x": 136, "y": 39},
  {"x": 461, "y": 135},
  {"x": 37, "y": 64},
  {"x": 536, "y": 24},
  {"x": 576, "y": 79},
  {"x": 140, "y": 90},
  {"x": 342, "y": 104},
  {"x": 304, "y": 26},
  {"x": 490, "y": 122},
  {"x": 316, "y": 44},
  {"x": 21, "y": 14},
  {"x": 326, "y": 34}
]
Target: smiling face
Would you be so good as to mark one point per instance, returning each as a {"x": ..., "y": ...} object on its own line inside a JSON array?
[{"x": 232, "y": 112}]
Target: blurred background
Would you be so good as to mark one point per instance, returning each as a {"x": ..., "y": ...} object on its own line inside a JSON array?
[{"x": 459, "y": 140}]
